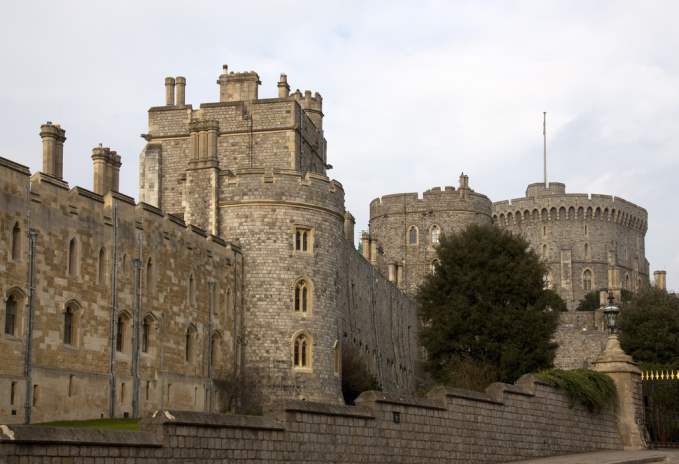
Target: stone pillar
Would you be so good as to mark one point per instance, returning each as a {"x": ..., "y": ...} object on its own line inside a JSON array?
[
  {"x": 212, "y": 142},
  {"x": 373, "y": 251},
  {"x": 169, "y": 91},
  {"x": 100, "y": 183},
  {"x": 114, "y": 166},
  {"x": 181, "y": 90},
  {"x": 283, "y": 87},
  {"x": 660, "y": 278},
  {"x": 202, "y": 138},
  {"x": 195, "y": 146},
  {"x": 365, "y": 241},
  {"x": 349, "y": 222},
  {"x": 614, "y": 362},
  {"x": 53, "y": 138}
]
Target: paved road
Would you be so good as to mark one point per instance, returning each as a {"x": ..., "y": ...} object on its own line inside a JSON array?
[{"x": 611, "y": 457}]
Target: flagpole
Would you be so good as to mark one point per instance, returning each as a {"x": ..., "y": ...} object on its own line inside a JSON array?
[{"x": 544, "y": 141}]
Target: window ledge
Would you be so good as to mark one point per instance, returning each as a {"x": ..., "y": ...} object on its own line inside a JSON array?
[{"x": 303, "y": 370}]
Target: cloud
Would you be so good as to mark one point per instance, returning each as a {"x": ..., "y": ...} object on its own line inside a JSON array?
[{"x": 413, "y": 93}]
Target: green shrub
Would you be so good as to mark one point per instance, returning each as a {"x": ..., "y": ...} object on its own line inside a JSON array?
[
  {"x": 356, "y": 377},
  {"x": 593, "y": 390}
]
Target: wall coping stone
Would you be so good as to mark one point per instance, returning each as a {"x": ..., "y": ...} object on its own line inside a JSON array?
[
  {"x": 20, "y": 168},
  {"x": 77, "y": 436},
  {"x": 328, "y": 409},
  {"x": 402, "y": 400},
  {"x": 201, "y": 419},
  {"x": 43, "y": 178}
]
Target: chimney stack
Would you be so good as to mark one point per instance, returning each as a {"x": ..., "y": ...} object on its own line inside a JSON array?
[
  {"x": 53, "y": 138},
  {"x": 283, "y": 87},
  {"x": 169, "y": 91},
  {"x": 241, "y": 86},
  {"x": 106, "y": 170},
  {"x": 660, "y": 279},
  {"x": 181, "y": 90}
]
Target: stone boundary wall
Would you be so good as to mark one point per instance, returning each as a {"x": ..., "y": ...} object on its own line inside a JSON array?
[
  {"x": 507, "y": 422},
  {"x": 581, "y": 338}
]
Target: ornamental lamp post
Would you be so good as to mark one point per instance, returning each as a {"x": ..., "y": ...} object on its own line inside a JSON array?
[{"x": 611, "y": 312}]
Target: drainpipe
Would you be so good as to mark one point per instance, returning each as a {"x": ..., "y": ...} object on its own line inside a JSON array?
[
  {"x": 136, "y": 308},
  {"x": 28, "y": 361},
  {"x": 114, "y": 311},
  {"x": 211, "y": 304}
]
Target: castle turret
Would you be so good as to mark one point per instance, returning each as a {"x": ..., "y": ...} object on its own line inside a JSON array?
[
  {"x": 660, "y": 278},
  {"x": 241, "y": 86},
  {"x": 169, "y": 91},
  {"x": 349, "y": 222},
  {"x": 53, "y": 138},
  {"x": 283, "y": 87},
  {"x": 106, "y": 163},
  {"x": 312, "y": 106}
]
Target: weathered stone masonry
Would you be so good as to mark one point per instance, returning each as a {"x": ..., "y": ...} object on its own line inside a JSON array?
[{"x": 452, "y": 426}]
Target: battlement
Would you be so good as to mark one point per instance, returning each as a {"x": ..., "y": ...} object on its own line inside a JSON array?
[
  {"x": 434, "y": 199},
  {"x": 554, "y": 204}
]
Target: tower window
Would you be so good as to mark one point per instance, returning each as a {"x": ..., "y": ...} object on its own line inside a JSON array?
[
  {"x": 146, "y": 335},
  {"x": 303, "y": 240},
  {"x": 192, "y": 290},
  {"x": 302, "y": 352},
  {"x": 68, "y": 326},
  {"x": 149, "y": 275},
  {"x": 11, "y": 307},
  {"x": 101, "y": 268},
  {"x": 188, "y": 347},
  {"x": 412, "y": 235},
  {"x": 435, "y": 235},
  {"x": 12, "y": 393},
  {"x": 302, "y": 297},
  {"x": 587, "y": 280},
  {"x": 16, "y": 242},
  {"x": 73, "y": 257},
  {"x": 121, "y": 333}
]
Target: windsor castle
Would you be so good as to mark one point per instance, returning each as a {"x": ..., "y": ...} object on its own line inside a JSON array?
[{"x": 239, "y": 262}]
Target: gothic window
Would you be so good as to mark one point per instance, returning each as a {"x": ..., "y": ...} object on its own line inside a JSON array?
[
  {"x": 101, "y": 268},
  {"x": 435, "y": 235},
  {"x": 215, "y": 357},
  {"x": 434, "y": 265},
  {"x": 302, "y": 352},
  {"x": 587, "y": 280},
  {"x": 412, "y": 235},
  {"x": 70, "y": 325},
  {"x": 303, "y": 240},
  {"x": 627, "y": 282},
  {"x": 149, "y": 275},
  {"x": 121, "y": 332},
  {"x": 16, "y": 242},
  {"x": 73, "y": 257},
  {"x": 12, "y": 393},
  {"x": 189, "y": 345},
  {"x": 11, "y": 313},
  {"x": 302, "y": 297},
  {"x": 146, "y": 334}
]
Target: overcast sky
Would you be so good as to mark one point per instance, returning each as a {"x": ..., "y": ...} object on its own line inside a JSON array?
[{"x": 413, "y": 92}]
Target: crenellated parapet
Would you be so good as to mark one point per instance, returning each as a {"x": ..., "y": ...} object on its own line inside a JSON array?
[{"x": 570, "y": 207}]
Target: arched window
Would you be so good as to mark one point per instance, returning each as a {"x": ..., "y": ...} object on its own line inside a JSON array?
[
  {"x": 302, "y": 352},
  {"x": 435, "y": 235},
  {"x": 146, "y": 334},
  {"x": 149, "y": 275},
  {"x": 302, "y": 297},
  {"x": 70, "y": 324},
  {"x": 73, "y": 257},
  {"x": 303, "y": 239},
  {"x": 190, "y": 340},
  {"x": 412, "y": 235},
  {"x": 101, "y": 268},
  {"x": 587, "y": 280},
  {"x": 11, "y": 313},
  {"x": 192, "y": 290},
  {"x": 16, "y": 242},
  {"x": 121, "y": 332}
]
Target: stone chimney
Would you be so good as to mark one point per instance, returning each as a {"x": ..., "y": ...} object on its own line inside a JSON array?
[
  {"x": 169, "y": 91},
  {"x": 464, "y": 181},
  {"x": 283, "y": 87},
  {"x": 349, "y": 222},
  {"x": 660, "y": 279},
  {"x": 106, "y": 170},
  {"x": 181, "y": 90},
  {"x": 241, "y": 86},
  {"x": 53, "y": 138}
]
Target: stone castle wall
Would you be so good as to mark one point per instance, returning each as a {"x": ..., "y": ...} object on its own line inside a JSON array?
[
  {"x": 389, "y": 245},
  {"x": 579, "y": 232},
  {"x": 581, "y": 336},
  {"x": 74, "y": 380},
  {"x": 506, "y": 423}
]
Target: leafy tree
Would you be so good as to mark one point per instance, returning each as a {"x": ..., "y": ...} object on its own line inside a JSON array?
[
  {"x": 590, "y": 302},
  {"x": 486, "y": 303},
  {"x": 649, "y": 327}
]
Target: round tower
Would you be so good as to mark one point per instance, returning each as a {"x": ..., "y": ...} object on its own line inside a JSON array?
[
  {"x": 405, "y": 229},
  {"x": 589, "y": 242}
]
